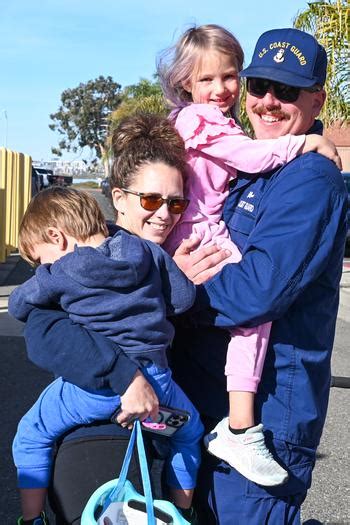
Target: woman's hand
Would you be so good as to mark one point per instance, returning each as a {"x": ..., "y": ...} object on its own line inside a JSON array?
[
  {"x": 138, "y": 402},
  {"x": 199, "y": 265}
]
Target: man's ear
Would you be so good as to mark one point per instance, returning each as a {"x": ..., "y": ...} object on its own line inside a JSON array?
[
  {"x": 118, "y": 197},
  {"x": 57, "y": 237},
  {"x": 317, "y": 102}
]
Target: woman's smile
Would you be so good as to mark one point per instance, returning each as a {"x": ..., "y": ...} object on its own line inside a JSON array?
[{"x": 156, "y": 177}]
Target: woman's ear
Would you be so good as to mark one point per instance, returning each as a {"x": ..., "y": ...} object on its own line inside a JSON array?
[
  {"x": 118, "y": 197},
  {"x": 57, "y": 237}
]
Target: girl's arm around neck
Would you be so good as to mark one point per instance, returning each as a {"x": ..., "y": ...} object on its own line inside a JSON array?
[{"x": 205, "y": 129}]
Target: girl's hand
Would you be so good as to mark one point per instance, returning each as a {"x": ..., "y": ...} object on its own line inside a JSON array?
[
  {"x": 199, "y": 265},
  {"x": 323, "y": 146},
  {"x": 138, "y": 402}
]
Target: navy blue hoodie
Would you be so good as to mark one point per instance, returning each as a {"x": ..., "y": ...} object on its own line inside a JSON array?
[{"x": 124, "y": 289}]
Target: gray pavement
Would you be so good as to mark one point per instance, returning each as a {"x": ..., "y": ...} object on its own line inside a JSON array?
[
  {"x": 21, "y": 383},
  {"x": 328, "y": 501}
]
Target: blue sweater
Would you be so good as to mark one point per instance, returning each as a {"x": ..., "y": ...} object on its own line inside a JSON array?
[{"x": 124, "y": 290}]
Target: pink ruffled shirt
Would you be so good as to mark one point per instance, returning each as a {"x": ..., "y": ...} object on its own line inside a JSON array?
[{"x": 216, "y": 148}]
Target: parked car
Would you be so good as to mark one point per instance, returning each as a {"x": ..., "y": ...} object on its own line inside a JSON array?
[
  {"x": 37, "y": 182},
  {"x": 47, "y": 178},
  {"x": 43, "y": 173},
  {"x": 346, "y": 177},
  {"x": 106, "y": 188},
  {"x": 60, "y": 180}
]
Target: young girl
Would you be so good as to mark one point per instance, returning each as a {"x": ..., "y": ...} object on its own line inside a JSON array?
[{"x": 200, "y": 80}]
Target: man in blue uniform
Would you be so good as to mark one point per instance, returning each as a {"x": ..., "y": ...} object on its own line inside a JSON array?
[{"x": 290, "y": 225}]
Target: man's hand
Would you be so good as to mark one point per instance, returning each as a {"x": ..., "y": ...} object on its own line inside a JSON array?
[
  {"x": 138, "y": 402},
  {"x": 199, "y": 265}
]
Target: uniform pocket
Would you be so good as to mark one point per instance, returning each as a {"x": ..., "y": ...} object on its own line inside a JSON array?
[
  {"x": 298, "y": 461},
  {"x": 241, "y": 222}
]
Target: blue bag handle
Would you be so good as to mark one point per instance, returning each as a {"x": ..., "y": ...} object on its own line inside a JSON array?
[{"x": 136, "y": 435}]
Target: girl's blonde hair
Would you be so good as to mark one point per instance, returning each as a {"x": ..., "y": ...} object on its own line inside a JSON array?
[
  {"x": 75, "y": 212},
  {"x": 176, "y": 64}
]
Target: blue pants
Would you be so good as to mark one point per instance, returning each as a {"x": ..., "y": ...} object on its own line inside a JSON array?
[
  {"x": 227, "y": 498},
  {"x": 62, "y": 406}
]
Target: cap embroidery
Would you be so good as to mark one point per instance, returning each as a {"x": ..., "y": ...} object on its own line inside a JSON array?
[
  {"x": 279, "y": 56},
  {"x": 262, "y": 52},
  {"x": 288, "y": 56},
  {"x": 299, "y": 55}
]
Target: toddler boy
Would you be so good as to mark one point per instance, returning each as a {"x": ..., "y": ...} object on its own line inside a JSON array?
[{"x": 123, "y": 287}]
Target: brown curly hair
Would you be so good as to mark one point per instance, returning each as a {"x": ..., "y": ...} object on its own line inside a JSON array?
[{"x": 144, "y": 139}]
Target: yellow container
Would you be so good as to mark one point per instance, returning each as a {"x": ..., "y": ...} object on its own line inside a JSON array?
[{"x": 15, "y": 194}]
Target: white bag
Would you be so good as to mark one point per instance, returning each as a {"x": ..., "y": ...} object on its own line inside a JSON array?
[{"x": 118, "y": 503}]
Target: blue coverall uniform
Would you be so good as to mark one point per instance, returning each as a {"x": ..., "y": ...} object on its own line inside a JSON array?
[{"x": 290, "y": 226}]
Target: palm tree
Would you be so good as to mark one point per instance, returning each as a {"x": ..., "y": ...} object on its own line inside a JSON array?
[
  {"x": 146, "y": 104},
  {"x": 144, "y": 97},
  {"x": 329, "y": 22}
]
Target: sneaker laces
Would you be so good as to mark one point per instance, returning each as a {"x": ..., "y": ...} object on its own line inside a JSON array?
[
  {"x": 261, "y": 449},
  {"x": 257, "y": 441}
]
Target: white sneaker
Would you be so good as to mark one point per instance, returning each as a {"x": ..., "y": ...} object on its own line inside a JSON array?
[{"x": 247, "y": 453}]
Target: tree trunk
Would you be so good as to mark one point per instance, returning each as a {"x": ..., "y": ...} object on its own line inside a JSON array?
[{"x": 105, "y": 159}]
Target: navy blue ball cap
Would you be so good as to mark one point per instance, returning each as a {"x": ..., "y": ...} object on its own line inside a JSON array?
[{"x": 288, "y": 56}]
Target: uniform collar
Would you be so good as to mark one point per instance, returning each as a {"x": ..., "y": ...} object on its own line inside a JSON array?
[{"x": 317, "y": 128}]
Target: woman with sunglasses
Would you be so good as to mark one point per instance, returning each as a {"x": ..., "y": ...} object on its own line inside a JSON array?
[
  {"x": 146, "y": 183},
  {"x": 150, "y": 157}
]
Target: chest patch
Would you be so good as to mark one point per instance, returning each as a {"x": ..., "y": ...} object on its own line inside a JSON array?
[{"x": 248, "y": 206}]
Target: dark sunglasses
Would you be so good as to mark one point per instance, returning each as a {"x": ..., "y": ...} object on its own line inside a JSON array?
[
  {"x": 258, "y": 87},
  {"x": 153, "y": 201}
]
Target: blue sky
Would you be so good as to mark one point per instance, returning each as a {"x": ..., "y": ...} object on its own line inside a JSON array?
[{"x": 51, "y": 45}]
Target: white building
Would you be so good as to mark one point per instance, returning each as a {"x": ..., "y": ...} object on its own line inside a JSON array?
[{"x": 65, "y": 167}]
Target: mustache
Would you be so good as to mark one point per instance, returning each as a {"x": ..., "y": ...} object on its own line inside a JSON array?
[{"x": 261, "y": 110}]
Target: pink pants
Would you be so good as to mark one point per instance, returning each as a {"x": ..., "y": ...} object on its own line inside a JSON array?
[{"x": 247, "y": 348}]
